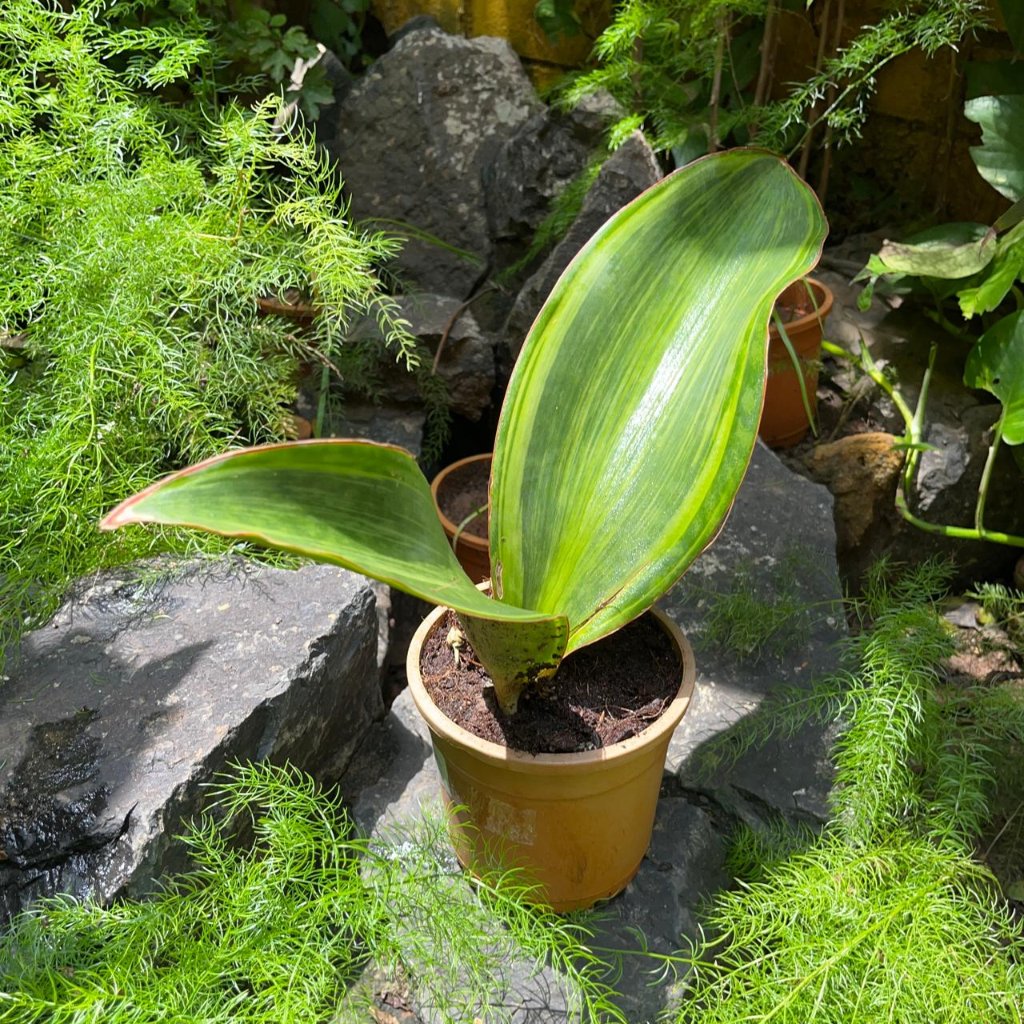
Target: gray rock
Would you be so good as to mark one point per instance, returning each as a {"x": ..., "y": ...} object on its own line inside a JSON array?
[
  {"x": 958, "y": 425},
  {"x": 630, "y": 170},
  {"x": 388, "y": 424},
  {"x": 413, "y": 137},
  {"x": 529, "y": 170},
  {"x": 466, "y": 364},
  {"x": 779, "y": 519},
  {"x": 778, "y": 543},
  {"x": 136, "y": 694}
]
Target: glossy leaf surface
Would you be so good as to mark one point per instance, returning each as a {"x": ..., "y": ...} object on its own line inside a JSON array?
[
  {"x": 996, "y": 364},
  {"x": 361, "y": 505},
  {"x": 633, "y": 410},
  {"x": 1000, "y": 157}
]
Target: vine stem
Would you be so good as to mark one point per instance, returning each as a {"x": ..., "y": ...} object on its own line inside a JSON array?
[
  {"x": 986, "y": 474},
  {"x": 912, "y": 437}
]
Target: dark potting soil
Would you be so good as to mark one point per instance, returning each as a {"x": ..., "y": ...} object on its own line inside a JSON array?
[
  {"x": 463, "y": 492},
  {"x": 601, "y": 694}
]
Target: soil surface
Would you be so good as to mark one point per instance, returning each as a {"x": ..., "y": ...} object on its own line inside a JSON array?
[
  {"x": 463, "y": 492},
  {"x": 601, "y": 694}
]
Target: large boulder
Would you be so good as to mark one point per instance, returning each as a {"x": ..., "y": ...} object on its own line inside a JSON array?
[
  {"x": 412, "y": 138},
  {"x": 136, "y": 694},
  {"x": 537, "y": 161},
  {"x": 630, "y": 170}
]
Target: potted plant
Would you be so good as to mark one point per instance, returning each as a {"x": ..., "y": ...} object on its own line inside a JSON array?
[
  {"x": 794, "y": 352},
  {"x": 460, "y": 494},
  {"x": 626, "y": 430}
]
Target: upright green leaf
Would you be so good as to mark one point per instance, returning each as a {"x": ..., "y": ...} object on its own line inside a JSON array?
[
  {"x": 996, "y": 363},
  {"x": 1000, "y": 157},
  {"x": 633, "y": 409}
]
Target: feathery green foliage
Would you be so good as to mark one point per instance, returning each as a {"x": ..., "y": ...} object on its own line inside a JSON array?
[
  {"x": 660, "y": 59},
  {"x": 755, "y": 624},
  {"x": 283, "y": 931},
  {"x": 901, "y": 930},
  {"x": 136, "y": 237},
  {"x": 1003, "y": 605},
  {"x": 886, "y": 915}
]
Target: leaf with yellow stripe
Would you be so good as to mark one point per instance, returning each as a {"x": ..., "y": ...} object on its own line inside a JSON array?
[{"x": 633, "y": 410}]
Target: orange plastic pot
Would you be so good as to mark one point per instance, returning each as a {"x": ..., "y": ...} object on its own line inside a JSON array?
[
  {"x": 784, "y": 421},
  {"x": 472, "y": 552},
  {"x": 576, "y": 824}
]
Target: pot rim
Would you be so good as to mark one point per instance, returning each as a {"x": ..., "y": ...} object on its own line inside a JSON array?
[
  {"x": 571, "y": 763},
  {"x": 815, "y": 316},
  {"x": 469, "y": 539}
]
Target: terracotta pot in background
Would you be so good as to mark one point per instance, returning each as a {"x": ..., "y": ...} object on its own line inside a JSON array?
[
  {"x": 784, "y": 419},
  {"x": 579, "y": 824},
  {"x": 472, "y": 552}
]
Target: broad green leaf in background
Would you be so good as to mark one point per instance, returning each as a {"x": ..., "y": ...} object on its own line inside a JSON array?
[
  {"x": 1000, "y": 157},
  {"x": 994, "y": 77},
  {"x": 1013, "y": 14},
  {"x": 936, "y": 257},
  {"x": 1003, "y": 271},
  {"x": 996, "y": 363},
  {"x": 633, "y": 409}
]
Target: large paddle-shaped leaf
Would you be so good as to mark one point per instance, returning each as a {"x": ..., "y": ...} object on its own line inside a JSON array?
[
  {"x": 996, "y": 363},
  {"x": 633, "y": 409},
  {"x": 353, "y": 503}
]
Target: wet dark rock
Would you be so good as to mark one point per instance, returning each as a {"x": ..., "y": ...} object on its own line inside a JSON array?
[
  {"x": 414, "y": 135},
  {"x": 137, "y": 693},
  {"x": 630, "y": 170}
]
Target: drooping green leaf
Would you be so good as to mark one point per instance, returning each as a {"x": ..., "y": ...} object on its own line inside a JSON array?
[
  {"x": 633, "y": 409},
  {"x": 358, "y": 504},
  {"x": 1000, "y": 157},
  {"x": 996, "y": 364},
  {"x": 1004, "y": 270},
  {"x": 938, "y": 257}
]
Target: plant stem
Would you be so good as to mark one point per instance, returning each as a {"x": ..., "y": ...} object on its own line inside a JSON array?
[
  {"x": 819, "y": 60},
  {"x": 764, "y": 73},
  {"x": 986, "y": 474},
  {"x": 826, "y": 164},
  {"x": 912, "y": 437}
]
